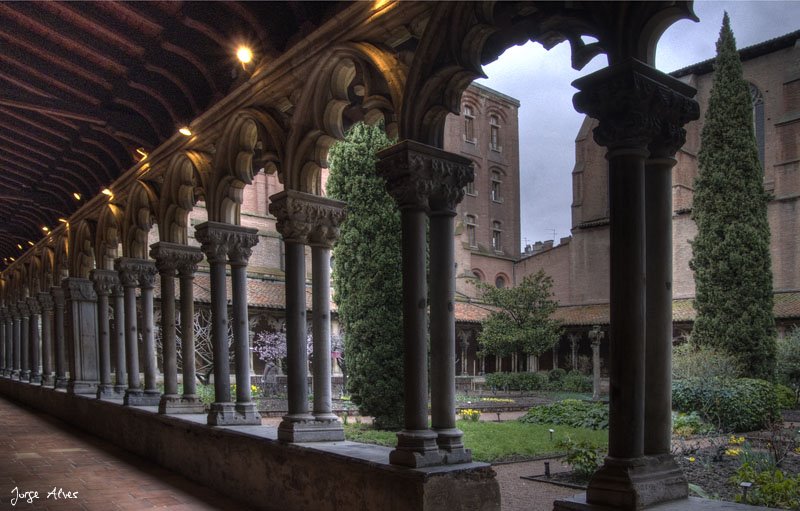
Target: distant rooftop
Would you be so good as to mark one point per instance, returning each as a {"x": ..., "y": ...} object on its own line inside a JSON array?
[
  {"x": 750, "y": 52},
  {"x": 492, "y": 92}
]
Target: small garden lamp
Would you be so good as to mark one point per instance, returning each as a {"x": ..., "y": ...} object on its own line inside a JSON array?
[
  {"x": 745, "y": 485},
  {"x": 551, "y": 430}
]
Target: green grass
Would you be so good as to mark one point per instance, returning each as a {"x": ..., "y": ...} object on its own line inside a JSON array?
[{"x": 494, "y": 441}]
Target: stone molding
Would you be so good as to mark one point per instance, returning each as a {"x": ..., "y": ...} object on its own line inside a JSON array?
[
  {"x": 136, "y": 272},
  {"x": 637, "y": 106},
  {"x": 104, "y": 281},
  {"x": 307, "y": 218},
  {"x": 34, "y": 306},
  {"x": 172, "y": 257},
  {"x": 46, "y": 301},
  {"x": 422, "y": 177}
]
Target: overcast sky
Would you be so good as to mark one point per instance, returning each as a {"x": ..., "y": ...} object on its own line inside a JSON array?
[{"x": 548, "y": 123}]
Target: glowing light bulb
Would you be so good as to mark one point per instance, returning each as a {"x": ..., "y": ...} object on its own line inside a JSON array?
[
  {"x": 244, "y": 54},
  {"x": 185, "y": 131}
]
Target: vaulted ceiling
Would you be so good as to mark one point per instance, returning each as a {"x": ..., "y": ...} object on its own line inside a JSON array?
[{"x": 84, "y": 85}]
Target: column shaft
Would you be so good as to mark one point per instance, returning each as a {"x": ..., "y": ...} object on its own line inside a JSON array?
[
  {"x": 131, "y": 341},
  {"x": 321, "y": 326},
  {"x": 169, "y": 349},
  {"x": 35, "y": 340},
  {"x": 24, "y": 344},
  {"x": 240, "y": 332},
  {"x": 187, "y": 334},
  {"x": 47, "y": 338},
  {"x": 148, "y": 338},
  {"x": 3, "y": 347},
  {"x": 414, "y": 320},
  {"x": 443, "y": 337},
  {"x": 118, "y": 338},
  {"x": 627, "y": 303},
  {"x": 17, "y": 346},
  {"x": 219, "y": 333},
  {"x": 296, "y": 355},
  {"x": 60, "y": 351},
  {"x": 104, "y": 344}
]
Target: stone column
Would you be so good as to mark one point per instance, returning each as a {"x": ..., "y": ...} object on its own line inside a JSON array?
[
  {"x": 630, "y": 100},
  {"x": 555, "y": 354},
  {"x": 240, "y": 248},
  {"x": 595, "y": 336},
  {"x": 118, "y": 339},
  {"x": 133, "y": 273},
  {"x": 4, "y": 351},
  {"x": 16, "y": 333},
  {"x": 187, "y": 266},
  {"x": 34, "y": 340},
  {"x": 168, "y": 256},
  {"x": 24, "y": 340},
  {"x": 46, "y": 302},
  {"x": 288, "y": 206},
  {"x": 104, "y": 281},
  {"x": 147, "y": 280},
  {"x": 449, "y": 174},
  {"x": 422, "y": 179},
  {"x": 60, "y": 345},
  {"x": 80, "y": 328},
  {"x": 574, "y": 342},
  {"x": 212, "y": 236}
]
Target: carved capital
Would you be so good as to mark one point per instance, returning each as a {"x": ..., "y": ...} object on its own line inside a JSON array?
[
  {"x": 46, "y": 301},
  {"x": 104, "y": 281},
  {"x": 136, "y": 272},
  {"x": 22, "y": 309},
  {"x": 241, "y": 246},
  {"x": 175, "y": 256},
  {"x": 422, "y": 177},
  {"x": 78, "y": 289},
  {"x": 34, "y": 307},
  {"x": 3, "y": 314},
  {"x": 307, "y": 218},
  {"x": 638, "y": 107},
  {"x": 213, "y": 241}
]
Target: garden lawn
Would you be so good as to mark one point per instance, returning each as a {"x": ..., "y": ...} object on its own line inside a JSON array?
[{"x": 494, "y": 441}]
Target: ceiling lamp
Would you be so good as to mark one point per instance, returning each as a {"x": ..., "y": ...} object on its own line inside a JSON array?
[
  {"x": 244, "y": 54},
  {"x": 142, "y": 153},
  {"x": 45, "y": 228},
  {"x": 12, "y": 259},
  {"x": 63, "y": 220},
  {"x": 185, "y": 131},
  {"x": 76, "y": 195},
  {"x": 30, "y": 243},
  {"x": 108, "y": 192},
  {"x": 19, "y": 246}
]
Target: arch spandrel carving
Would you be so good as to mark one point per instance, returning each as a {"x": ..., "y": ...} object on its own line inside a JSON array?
[
  {"x": 179, "y": 194},
  {"x": 82, "y": 257},
  {"x": 109, "y": 236},
  {"x": 460, "y": 37},
  {"x": 138, "y": 220}
]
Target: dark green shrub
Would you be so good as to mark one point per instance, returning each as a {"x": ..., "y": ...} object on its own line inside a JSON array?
[
  {"x": 577, "y": 382},
  {"x": 732, "y": 405},
  {"x": 515, "y": 381},
  {"x": 771, "y": 488},
  {"x": 688, "y": 424},
  {"x": 787, "y": 400},
  {"x": 556, "y": 374},
  {"x": 569, "y": 412},
  {"x": 583, "y": 457}
]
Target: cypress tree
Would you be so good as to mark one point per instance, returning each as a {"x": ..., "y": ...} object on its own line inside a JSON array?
[
  {"x": 731, "y": 259},
  {"x": 367, "y": 277}
]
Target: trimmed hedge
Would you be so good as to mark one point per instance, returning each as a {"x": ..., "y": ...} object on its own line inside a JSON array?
[
  {"x": 575, "y": 381},
  {"x": 516, "y": 381},
  {"x": 733, "y": 405},
  {"x": 569, "y": 412}
]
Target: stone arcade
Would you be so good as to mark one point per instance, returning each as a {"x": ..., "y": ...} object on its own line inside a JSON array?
[{"x": 406, "y": 65}]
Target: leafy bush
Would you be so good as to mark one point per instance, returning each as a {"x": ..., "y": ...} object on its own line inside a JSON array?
[
  {"x": 771, "y": 488},
  {"x": 787, "y": 399},
  {"x": 556, "y": 374},
  {"x": 692, "y": 361},
  {"x": 583, "y": 457},
  {"x": 577, "y": 382},
  {"x": 516, "y": 381},
  {"x": 688, "y": 424},
  {"x": 732, "y": 405},
  {"x": 787, "y": 370},
  {"x": 569, "y": 412}
]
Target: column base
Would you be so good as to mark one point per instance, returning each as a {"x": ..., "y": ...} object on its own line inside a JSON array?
[
  {"x": 120, "y": 389},
  {"x": 136, "y": 397},
  {"x": 36, "y": 378},
  {"x": 637, "y": 483},
  {"x": 416, "y": 448},
  {"x": 230, "y": 414},
  {"x": 61, "y": 382},
  {"x": 107, "y": 391},
  {"x": 180, "y": 404},
  {"x": 307, "y": 428},
  {"x": 451, "y": 446},
  {"x": 48, "y": 380},
  {"x": 81, "y": 387},
  {"x": 24, "y": 376}
]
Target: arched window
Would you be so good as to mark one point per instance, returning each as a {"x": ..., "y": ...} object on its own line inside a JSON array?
[
  {"x": 500, "y": 282},
  {"x": 469, "y": 124},
  {"x": 495, "y": 187},
  {"x": 470, "y": 221},
  {"x": 497, "y": 233},
  {"x": 477, "y": 274},
  {"x": 758, "y": 120},
  {"x": 494, "y": 133}
]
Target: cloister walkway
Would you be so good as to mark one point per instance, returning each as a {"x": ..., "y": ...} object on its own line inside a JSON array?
[{"x": 40, "y": 453}]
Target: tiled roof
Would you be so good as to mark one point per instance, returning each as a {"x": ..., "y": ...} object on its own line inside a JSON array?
[{"x": 786, "y": 306}]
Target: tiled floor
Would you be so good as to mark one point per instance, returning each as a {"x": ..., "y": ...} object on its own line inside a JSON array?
[{"x": 40, "y": 454}]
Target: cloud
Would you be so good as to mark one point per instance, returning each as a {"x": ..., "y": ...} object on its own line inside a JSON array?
[{"x": 548, "y": 124}]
